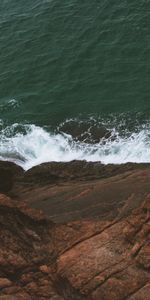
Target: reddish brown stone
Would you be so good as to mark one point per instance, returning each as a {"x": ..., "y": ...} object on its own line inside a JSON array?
[
  {"x": 44, "y": 269},
  {"x": 4, "y": 282},
  {"x": 98, "y": 249}
]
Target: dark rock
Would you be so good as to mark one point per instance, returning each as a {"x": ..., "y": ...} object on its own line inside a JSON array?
[
  {"x": 57, "y": 172},
  {"x": 9, "y": 172},
  {"x": 85, "y": 132}
]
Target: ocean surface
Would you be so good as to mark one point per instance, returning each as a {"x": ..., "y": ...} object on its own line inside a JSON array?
[{"x": 74, "y": 81}]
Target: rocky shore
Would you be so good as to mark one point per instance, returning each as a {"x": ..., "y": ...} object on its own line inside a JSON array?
[{"x": 74, "y": 231}]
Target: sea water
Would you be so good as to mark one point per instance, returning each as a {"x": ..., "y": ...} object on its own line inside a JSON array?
[{"x": 70, "y": 70}]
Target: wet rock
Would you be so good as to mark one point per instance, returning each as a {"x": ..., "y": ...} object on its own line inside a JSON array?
[{"x": 85, "y": 132}]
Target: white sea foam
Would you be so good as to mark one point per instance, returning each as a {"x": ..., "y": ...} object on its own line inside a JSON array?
[
  {"x": 35, "y": 145},
  {"x": 13, "y": 103}
]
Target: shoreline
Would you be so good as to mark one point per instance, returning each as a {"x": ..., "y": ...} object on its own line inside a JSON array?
[{"x": 108, "y": 143}]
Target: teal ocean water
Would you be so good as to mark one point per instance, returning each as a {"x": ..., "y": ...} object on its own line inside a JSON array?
[{"x": 74, "y": 81}]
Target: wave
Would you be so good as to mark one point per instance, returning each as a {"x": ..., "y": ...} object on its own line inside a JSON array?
[
  {"x": 8, "y": 105},
  {"x": 29, "y": 145}
]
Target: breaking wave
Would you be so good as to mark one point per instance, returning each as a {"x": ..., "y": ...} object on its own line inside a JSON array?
[{"x": 29, "y": 145}]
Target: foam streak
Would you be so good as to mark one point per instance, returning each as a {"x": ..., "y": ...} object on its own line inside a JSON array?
[{"x": 36, "y": 146}]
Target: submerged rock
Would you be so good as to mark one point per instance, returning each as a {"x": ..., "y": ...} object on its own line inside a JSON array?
[{"x": 85, "y": 132}]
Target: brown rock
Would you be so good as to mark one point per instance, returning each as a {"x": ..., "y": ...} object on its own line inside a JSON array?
[
  {"x": 97, "y": 191},
  {"x": 4, "y": 282},
  {"x": 44, "y": 269},
  {"x": 99, "y": 248},
  {"x": 59, "y": 172},
  {"x": 18, "y": 296}
]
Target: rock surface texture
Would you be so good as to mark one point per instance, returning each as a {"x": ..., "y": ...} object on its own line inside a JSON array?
[{"x": 91, "y": 242}]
